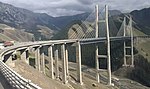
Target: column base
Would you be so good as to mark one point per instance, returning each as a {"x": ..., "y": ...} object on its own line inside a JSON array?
[
  {"x": 124, "y": 65},
  {"x": 131, "y": 65}
]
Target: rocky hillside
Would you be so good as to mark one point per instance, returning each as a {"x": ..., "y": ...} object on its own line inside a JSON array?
[
  {"x": 8, "y": 33},
  {"x": 24, "y": 19},
  {"x": 20, "y": 18},
  {"x": 142, "y": 19}
]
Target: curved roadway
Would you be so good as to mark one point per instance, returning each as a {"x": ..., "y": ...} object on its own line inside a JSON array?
[{"x": 3, "y": 83}]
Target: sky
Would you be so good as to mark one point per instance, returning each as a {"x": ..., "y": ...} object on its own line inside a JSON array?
[{"x": 70, "y": 7}]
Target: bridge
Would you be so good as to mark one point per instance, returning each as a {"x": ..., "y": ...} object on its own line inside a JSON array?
[{"x": 56, "y": 47}]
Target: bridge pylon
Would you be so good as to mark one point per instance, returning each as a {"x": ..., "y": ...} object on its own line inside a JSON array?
[
  {"x": 126, "y": 47},
  {"x": 107, "y": 56},
  {"x": 78, "y": 61}
]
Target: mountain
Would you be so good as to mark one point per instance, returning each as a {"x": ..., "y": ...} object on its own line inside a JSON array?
[
  {"x": 8, "y": 33},
  {"x": 31, "y": 22},
  {"x": 114, "y": 12},
  {"x": 24, "y": 19},
  {"x": 34, "y": 23},
  {"x": 63, "y": 21},
  {"x": 142, "y": 19}
]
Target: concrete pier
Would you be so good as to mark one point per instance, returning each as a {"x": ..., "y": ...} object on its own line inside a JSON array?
[
  {"x": 78, "y": 61},
  {"x": 24, "y": 54},
  {"x": 42, "y": 60},
  {"x": 8, "y": 59},
  {"x": 66, "y": 52},
  {"x": 56, "y": 63},
  {"x": 37, "y": 58},
  {"x": 50, "y": 54},
  {"x": 64, "y": 77},
  {"x": 27, "y": 57}
]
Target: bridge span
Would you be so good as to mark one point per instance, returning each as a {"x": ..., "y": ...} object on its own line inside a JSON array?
[{"x": 25, "y": 46}]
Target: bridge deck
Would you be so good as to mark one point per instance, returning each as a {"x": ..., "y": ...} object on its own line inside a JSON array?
[{"x": 3, "y": 83}]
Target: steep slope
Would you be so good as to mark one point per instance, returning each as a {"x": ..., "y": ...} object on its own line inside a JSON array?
[
  {"x": 9, "y": 34},
  {"x": 142, "y": 19},
  {"x": 63, "y": 21},
  {"x": 24, "y": 19}
]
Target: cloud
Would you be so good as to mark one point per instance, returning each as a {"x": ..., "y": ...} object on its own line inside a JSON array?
[
  {"x": 71, "y": 7},
  {"x": 127, "y": 5},
  {"x": 59, "y": 12},
  {"x": 87, "y": 2}
]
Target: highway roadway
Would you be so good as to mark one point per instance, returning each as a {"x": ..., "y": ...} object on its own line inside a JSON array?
[{"x": 3, "y": 83}]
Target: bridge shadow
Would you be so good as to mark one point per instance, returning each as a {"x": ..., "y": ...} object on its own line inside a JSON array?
[{"x": 3, "y": 83}]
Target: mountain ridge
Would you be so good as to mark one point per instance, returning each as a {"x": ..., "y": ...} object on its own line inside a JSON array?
[
  {"x": 142, "y": 19},
  {"x": 29, "y": 21}
]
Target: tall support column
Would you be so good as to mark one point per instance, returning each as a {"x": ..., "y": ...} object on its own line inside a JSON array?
[
  {"x": 8, "y": 59},
  {"x": 124, "y": 48},
  {"x": 96, "y": 52},
  {"x": 78, "y": 60},
  {"x": 64, "y": 77},
  {"x": 27, "y": 56},
  {"x": 50, "y": 54},
  {"x": 132, "y": 42},
  {"x": 37, "y": 58},
  {"x": 56, "y": 63},
  {"x": 36, "y": 61},
  {"x": 66, "y": 52},
  {"x": 43, "y": 60},
  {"x": 108, "y": 47},
  {"x": 23, "y": 54}
]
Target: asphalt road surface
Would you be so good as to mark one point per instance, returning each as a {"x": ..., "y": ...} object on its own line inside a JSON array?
[{"x": 3, "y": 83}]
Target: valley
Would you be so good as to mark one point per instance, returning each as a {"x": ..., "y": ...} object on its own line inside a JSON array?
[{"x": 74, "y": 37}]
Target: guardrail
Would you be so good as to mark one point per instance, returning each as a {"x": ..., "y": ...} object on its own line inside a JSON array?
[{"x": 15, "y": 79}]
